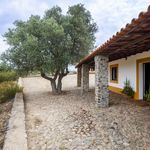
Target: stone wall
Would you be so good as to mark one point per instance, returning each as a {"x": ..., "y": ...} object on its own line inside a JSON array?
[
  {"x": 16, "y": 137},
  {"x": 101, "y": 81},
  {"x": 85, "y": 78}
]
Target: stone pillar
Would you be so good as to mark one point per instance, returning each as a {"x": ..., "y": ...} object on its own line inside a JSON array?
[
  {"x": 101, "y": 81},
  {"x": 85, "y": 78},
  {"x": 79, "y": 77}
]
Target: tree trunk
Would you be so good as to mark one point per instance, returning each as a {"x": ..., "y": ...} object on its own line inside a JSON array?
[
  {"x": 59, "y": 84},
  {"x": 56, "y": 89},
  {"x": 53, "y": 84}
]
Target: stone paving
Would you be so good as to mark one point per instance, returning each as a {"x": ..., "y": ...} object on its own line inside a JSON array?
[{"x": 72, "y": 122}]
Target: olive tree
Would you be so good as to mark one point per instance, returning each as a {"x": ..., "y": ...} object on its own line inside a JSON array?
[{"x": 50, "y": 43}]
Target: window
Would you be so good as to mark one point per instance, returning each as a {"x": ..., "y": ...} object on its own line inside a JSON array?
[{"x": 114, "y": 73}]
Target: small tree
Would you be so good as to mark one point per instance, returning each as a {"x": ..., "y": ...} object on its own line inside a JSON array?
[
  {"x": 50, "y": 43},
  {"x": 128, "y": 90}
]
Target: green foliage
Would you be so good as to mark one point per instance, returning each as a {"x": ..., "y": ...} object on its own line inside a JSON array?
[
  {"x": 8, "y": 90},
  {"x": 8, "y": 76},
  {"x": 128, "y": 90},
  {"x": 5, "y": 67},
  {"x": 50, "y": 43},
  {"x": 81, "y": 28},
  {"x": 147, "y": 96}
]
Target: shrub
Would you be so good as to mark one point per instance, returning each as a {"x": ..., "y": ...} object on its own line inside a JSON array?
[
  {"x": 147, "y": 96},
  {"x": 8, "y": 90},
  {"x": 8, "y": 76},
  {"x": 128, "y": 90}
]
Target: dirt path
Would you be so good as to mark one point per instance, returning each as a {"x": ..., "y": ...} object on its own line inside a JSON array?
[{"x": 71, "y": 121}]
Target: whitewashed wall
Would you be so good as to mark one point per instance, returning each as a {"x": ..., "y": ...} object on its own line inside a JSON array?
[{"x": 127, "y": 69}]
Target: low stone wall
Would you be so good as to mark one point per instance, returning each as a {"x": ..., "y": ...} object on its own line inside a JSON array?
[{"x": 16, "y": 137}]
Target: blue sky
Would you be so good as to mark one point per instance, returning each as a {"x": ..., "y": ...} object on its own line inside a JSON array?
[{"x": 110, "y": 15}]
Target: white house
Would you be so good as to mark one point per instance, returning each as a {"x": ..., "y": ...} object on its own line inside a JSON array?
[
  {"x": 124, "y": 56},
  {"x": 135, "y": 68}
]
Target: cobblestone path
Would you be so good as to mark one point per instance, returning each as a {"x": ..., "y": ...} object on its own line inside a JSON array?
[{"x": 72, "y": 122}]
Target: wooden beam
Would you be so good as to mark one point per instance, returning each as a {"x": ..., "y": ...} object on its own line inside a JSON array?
[
  {"x": 131, "y": 43},
  {"x": 123, "y": 55}
]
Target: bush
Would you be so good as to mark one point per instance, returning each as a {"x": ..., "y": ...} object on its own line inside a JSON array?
[
  {"x": 147, "y": 96},
  {"x": 8, "y": 76},
  {"x": 8, "y": 90},
  {"x": 128, "y": 90}
]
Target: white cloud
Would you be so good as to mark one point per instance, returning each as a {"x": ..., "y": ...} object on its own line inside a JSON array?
[
  {"x": 25, "y": 8},
  {"x": 110, "y": 15}
]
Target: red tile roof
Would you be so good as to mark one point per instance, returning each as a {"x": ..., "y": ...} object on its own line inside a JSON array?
[{"x": 133, "y": 39}]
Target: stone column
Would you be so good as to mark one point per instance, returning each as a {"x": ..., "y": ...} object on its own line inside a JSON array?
[
  {"x": 85, "y": 78},
  {"x": 101, "y": 81},
  {"x": 79, "y": 77}
]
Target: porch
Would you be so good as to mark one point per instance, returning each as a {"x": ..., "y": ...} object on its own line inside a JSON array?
[{"x": 129, "y": 41}]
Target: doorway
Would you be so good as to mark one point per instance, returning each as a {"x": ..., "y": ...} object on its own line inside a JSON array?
[{"x": 146, "y": 68}]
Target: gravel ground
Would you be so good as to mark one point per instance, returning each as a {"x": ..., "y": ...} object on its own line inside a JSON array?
[
  {"x": 5, "y": 110},
  {"x": 72, "y": 122}
]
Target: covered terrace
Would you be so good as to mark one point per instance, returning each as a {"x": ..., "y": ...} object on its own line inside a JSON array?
[{"x": 131, "y": 40}]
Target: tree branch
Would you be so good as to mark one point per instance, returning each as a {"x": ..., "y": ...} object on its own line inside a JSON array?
[
  {"x": 64, "y": 74},
  {"x": 49, "y": 78},
  {"x": 46, "y": 77},
  {"x": 56, "y": 74}
]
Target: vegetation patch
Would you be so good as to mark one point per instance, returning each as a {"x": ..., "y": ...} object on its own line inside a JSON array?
[
  {"x": 147, "y": 96},
  {"x": 8, "y": 76},
  {"x": 128, "y": 90},
  {"x": 8, "y": 90}
]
